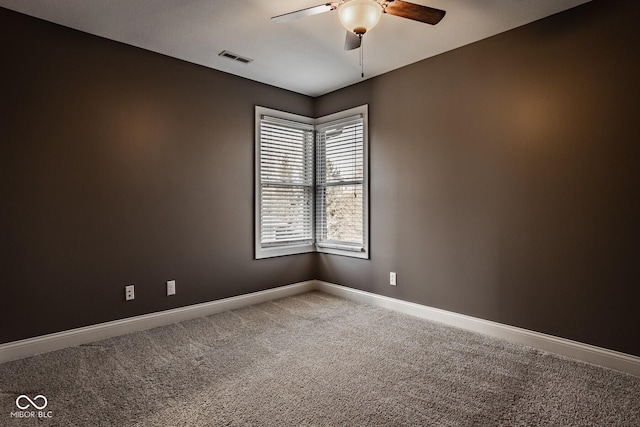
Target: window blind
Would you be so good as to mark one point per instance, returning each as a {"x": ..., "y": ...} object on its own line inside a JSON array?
[
  {"x": 340, "y": 184},
  {"x": 286, "y": 182}
]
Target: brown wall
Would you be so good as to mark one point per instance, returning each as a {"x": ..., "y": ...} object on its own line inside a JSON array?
[
  {"x": 505, "y": 178},
  {"x": 122, "y": 166}
]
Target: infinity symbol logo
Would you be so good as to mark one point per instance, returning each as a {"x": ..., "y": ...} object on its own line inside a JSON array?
[{"x": 31, "y": 402}]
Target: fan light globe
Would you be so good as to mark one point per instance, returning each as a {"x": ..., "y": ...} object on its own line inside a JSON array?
[{"x": 360, "y": 16}]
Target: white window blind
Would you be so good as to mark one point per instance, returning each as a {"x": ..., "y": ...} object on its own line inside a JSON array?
[
  {"x": 340, "y": 174},
  {"x": 311, "y": 191},
  {"x": 286, "y": 182}
]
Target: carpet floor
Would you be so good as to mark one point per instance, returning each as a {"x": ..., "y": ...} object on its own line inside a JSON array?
[{"x": 314, "y": 360}]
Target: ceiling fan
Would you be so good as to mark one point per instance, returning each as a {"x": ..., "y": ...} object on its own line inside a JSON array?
[{"x": 360, "y": 16}]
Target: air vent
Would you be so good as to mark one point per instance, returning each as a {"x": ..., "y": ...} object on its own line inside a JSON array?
[{"x": 235, "y": 57}]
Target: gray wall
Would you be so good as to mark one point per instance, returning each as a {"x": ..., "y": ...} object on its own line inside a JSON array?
[
  {"x": 504, "y": 178},
  {"x": 121, "y": 166}
]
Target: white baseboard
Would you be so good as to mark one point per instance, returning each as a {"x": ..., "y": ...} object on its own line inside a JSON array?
[
  {"x": 56, "y": 341},
  {"x": 588, "y": 353}
]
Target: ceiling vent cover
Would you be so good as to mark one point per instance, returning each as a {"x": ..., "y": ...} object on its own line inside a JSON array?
[{"x": 235, "y": 57}]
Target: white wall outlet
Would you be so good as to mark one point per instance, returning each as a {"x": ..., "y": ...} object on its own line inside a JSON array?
[
  {"x": 129, "y": 293},
  {"x": 171, "y": 287},
  {"x": 392, "y": 279}
]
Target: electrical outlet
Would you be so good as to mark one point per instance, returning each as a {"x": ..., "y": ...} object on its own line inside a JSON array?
[
  {"x": 171, "y": 287},
  {"x": 392, "y": 279},
  {"x": 129, "y": 293}
]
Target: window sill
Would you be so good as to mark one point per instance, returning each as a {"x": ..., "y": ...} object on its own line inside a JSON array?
[
  {"x": 262, "y": 253},
  {"x": 344, "y": 250},
  {"x": 323, "y": 248}
]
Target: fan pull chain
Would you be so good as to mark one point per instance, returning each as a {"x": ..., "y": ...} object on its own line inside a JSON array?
[{"x": 361, "y": 56}]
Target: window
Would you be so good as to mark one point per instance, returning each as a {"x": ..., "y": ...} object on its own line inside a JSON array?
[
  {"x": 284, "y": 184},
  {"x": 340, "y": 186},
  {"x": 301, "y": 208}
]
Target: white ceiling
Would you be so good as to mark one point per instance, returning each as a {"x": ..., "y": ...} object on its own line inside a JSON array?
[{"x": 305, "y": 55}]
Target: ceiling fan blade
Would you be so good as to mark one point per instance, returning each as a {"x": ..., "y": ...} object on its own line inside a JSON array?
[
  {"x": 314, "y": 10},
  {"x": 352, "y": 41},
  {"x": 404, "y": 9}
]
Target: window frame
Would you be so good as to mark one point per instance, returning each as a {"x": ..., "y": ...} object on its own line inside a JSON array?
[
  {"x": 284, "y": 249},
  {"x": 335, "y": 248},
  {"x": 340, "y": 248}
]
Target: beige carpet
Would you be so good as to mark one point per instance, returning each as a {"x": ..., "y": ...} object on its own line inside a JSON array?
[{"x": 314, "y": 360}]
